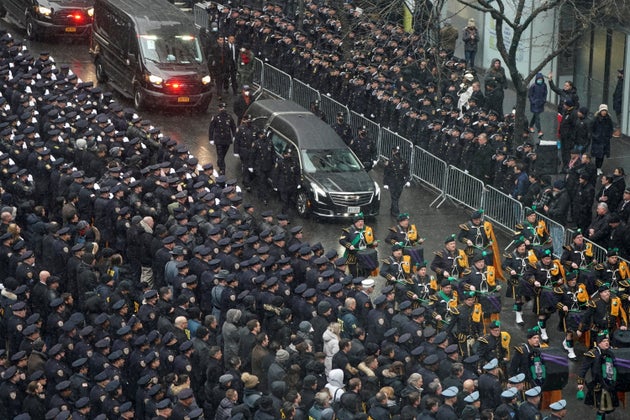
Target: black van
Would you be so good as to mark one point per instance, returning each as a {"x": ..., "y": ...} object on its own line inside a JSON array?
[
  {"x": 44, "y": 18},
  {"x": 148, "y": 50},
  {"x": 334, "y": 182}
]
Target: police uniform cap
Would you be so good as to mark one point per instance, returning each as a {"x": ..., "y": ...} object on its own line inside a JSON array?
[
  {"x": 282, "y": 216},
  {"x": 31, "y": 329},
  {"x": 323, "y": 307},
  {"x": 449, "y": 392},
  {"x": 278, "y": 237},
  {"x": 418, "y": 312},
  {"x": 328, "y": 273},
  {"x": 323, "y": 286},
  {"x": 492, "y": 364},
  {"x": 118, "y": 304},
  {"x": 404, "y": 305},
  {"x": 380, "y": 300},
  {"x": 153, "y": 335},
  {"x": 300, "y": 289},
  {"x": 431, "y": 360},
  {"x": 533, "y": 392},
  {"x": 168, "y": 240},
  {"x": 26, "y": 255},
  {"x": 429, "y": 332},
  {"x": 55, "y": 303},
  {"x": 387, "y": 290},
  {"x": 391, "y": 332},
  {"x": 558, "y": 405},
  {"x": 115, "y": 355},
  {"x": 101, "y": 376},
  {"x": 517, "y": 379},
  {"x": 440, "y": 337},
  {"x": 19, "y": 356},
  {"x": 84, "y": 332},
  {"x": 163, "y": 403},
  {"x": 181, "y": 264},
  {"x": 341, "y": 261},
  {"x": 186, "y": 345},
  {"x": 101, "y": 344},
  {"x": 224, "y": 242},
  {"x": 150, "y": 357},
  {"x": 154, "y": 390},
  {"x": 78, "y": 247},
  {"x": 417, "y": 351},
  {"x": 112, "y": 386},
  {"x": 19, "y": 306},
  {"x": 296, "y": 229},
  {"x": 404, "y": 338},
  {"x": 62, "y": 385},
  {"x": 309, "y": 293},
  {"x": 215, "y": 230},
  {"x": 331, "y": 254},
  {"x": 68, "y": 326},
  {"x": 450, "y": 349},
  {"x": 472, "y": 397},
  {"x": 509, "y": 393},
  {"x": 82, "y": 402},
  {"x": 168, "y": 337},
  {"x": 125, "y": 407},
  {"x": 79, "y": 362},
  {"x": 195, "y": 413},
  {"x": 150, "y": 294},
  {"x": 101, "y": 318}
]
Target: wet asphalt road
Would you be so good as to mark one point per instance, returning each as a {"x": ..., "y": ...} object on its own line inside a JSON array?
[{"x": 433, "y": 224}]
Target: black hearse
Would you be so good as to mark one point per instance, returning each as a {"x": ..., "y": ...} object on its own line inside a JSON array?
[{"x": 334, "y": 182}]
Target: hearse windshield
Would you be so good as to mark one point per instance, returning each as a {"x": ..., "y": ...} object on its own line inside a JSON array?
[
  {"x": 330, "y": 160},
  {"x": 169, "y": 48}
]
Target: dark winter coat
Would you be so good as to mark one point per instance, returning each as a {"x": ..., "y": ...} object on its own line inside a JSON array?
[
  {"x": 602, "y": 130},
  {"x": 537, "y": 95}
]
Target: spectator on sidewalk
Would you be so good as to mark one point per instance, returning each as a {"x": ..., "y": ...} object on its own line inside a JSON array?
[
  {"x": 602, "y": 131},
  {"x": 537, "y": 95}
]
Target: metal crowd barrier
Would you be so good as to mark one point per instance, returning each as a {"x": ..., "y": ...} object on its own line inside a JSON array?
[
  {"x": 501, "y": 208},
  {"x": 463, "y": 188},
  {"x": 389, "y": 140},
  {"x": 259, "y": 68},
  {"x": 303, "y": 94},
  {"x": 331, "y": 108},
  {"x": 200, "y": 14},
  {"x": 430, "y": 170},
  {"x": 358, "y": 121},
  {"x": 277, "y": 82}
]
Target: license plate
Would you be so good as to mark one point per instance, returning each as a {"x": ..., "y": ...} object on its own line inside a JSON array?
[
  {"x": 71, "y": 29},
  {"x": 183, "y": 99},
  {"x": 354, "y": 209}
]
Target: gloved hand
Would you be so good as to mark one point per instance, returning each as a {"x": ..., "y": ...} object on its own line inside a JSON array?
[
  {"x": 408, "y": 184},
  {"x": 251, "y": 170},
  {"x": 236, "y": 155},
  {"x": 275, "y": 189},
  {"x": 386, "y": 187},
  {"x": 299, "y": 187},
  {"x": 374, "y": 163},
  {"x": 212, "y": 142}
]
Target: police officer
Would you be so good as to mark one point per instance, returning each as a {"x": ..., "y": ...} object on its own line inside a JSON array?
[
  {"x": 220, "y": 133},
  {"x": 529, "y": 409},
  {"x": 342, "y": 128},
  {"x": 263, "y": 164},
  {"x": 244, "y": 147},
  {"x": 287, "y": 179},
  {"x": 396, "y": 175},
  {"x": 364, "y": 148}
]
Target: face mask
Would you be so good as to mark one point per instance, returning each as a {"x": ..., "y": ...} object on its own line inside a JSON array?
[{"x": 540, "y": 82}]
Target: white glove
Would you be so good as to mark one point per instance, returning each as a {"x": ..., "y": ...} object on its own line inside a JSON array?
[
  {"x": 275, "y": 189},
  {"x": 251, "y": 170},
  {"x": 236, "y": 155},
  {"x": 374, "y": 163},
  {"x": 212, "y": 142},
  {"x": 408, "y": 184},
  {"x": 386, "y": 187},
  {"x": 299, "y": 186}
]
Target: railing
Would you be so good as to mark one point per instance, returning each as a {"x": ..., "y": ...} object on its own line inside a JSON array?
[
  {"x": 501, "y": 208},
  {"x": 599, "y": 252},
  {"x": 450, "y": 182},
  {"x": 463, "y": 188}
]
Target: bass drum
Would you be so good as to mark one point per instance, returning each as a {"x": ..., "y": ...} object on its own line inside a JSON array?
[{"x": 367, "y": 259}]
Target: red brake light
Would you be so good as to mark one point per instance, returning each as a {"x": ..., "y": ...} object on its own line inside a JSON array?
[{"x": 77, "y": 17}]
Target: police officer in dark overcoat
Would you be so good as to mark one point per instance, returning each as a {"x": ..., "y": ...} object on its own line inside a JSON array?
[
  {"x": 220, "y": 133},
  {"x": 396, "y": 176}
]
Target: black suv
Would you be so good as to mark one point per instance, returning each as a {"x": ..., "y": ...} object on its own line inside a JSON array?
[
  {"x": 334, "y": 182},
  {"x": 44, "y": 18}
]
